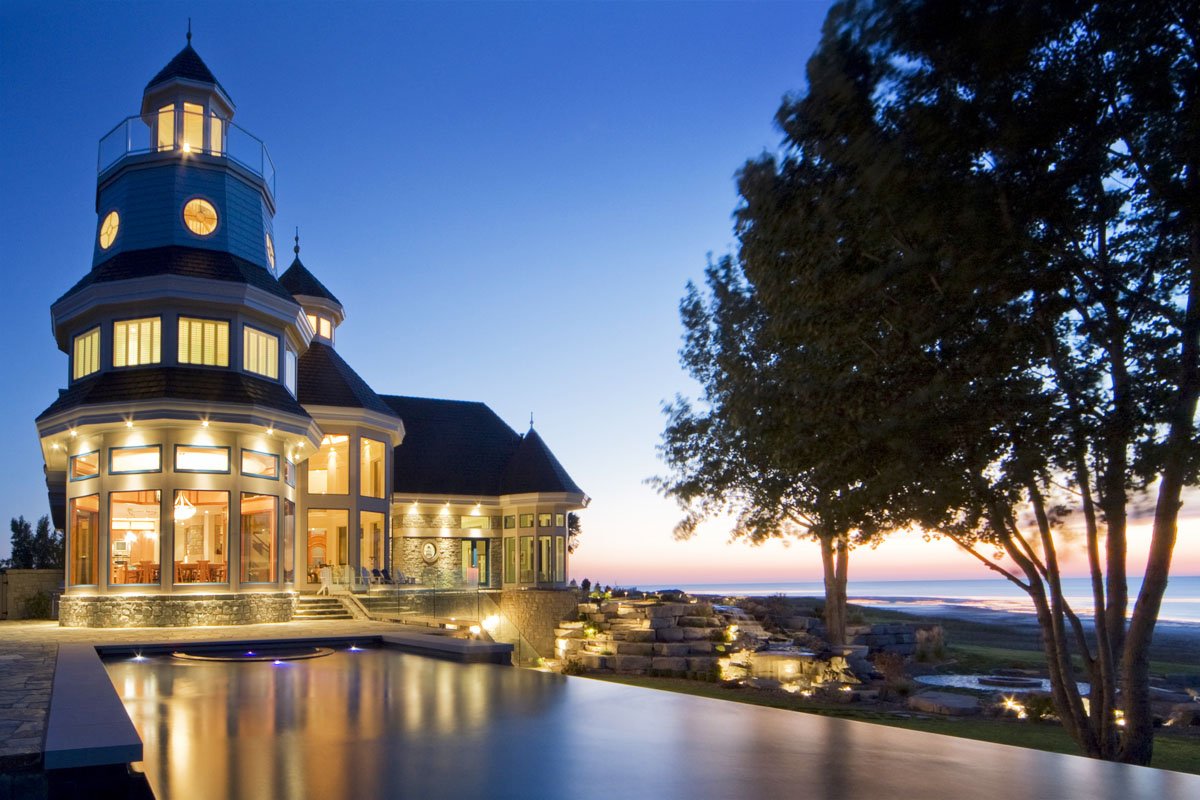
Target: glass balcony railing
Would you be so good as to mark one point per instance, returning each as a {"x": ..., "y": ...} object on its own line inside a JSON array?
[{"x": 184, "y": 133}]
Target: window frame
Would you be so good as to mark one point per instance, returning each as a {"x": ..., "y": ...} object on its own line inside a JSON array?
[
  {"x": 179, "y": 318},
  {"x": 242, "y": 464},
  {"x": 126, "y": 321},
  {"x": 228, "y": 460},
  {"x": 244, "y": 541},
  {"x": 94, "y": 359},
  {"x": 246, "y": 326},
  {"x": 71, "y": 466},
  {"x": 157, "y": 447},
  {"x": 108, "y": 564},
  {"x": 223, "y": 540}
]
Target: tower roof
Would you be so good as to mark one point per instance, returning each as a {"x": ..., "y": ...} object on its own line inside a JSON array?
[
  {"x": 327, "y": 380},
  {"x": 533, "y": 468},
  {"x": 299, "y": 281},
  {"x": 187, "y": 65}
]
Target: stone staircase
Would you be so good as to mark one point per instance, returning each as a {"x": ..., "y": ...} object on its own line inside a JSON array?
[
  {"x": 315, "y": 608},
  {"x": 384, "y": 605}
]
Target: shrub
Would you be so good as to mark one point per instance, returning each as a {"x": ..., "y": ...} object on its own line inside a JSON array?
[
  {"x": 890, "y": 666},
  {"x": 37, "y": 606},
  {"x": 573, "y": 666}
]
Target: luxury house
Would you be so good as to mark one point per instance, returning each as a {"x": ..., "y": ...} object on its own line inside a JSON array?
[{"x": 212, "y": 455}]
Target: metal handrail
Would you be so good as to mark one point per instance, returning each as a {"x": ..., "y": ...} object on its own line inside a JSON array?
[{"x": 237, "y": 144}]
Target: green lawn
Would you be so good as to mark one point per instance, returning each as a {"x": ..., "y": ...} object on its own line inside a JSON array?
[{"x": 1171, "y": 751}]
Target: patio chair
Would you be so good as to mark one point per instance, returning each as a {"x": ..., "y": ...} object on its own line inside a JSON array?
[
  {"x": 377, "y": 577},
  {"x": 387, "y": 578}
]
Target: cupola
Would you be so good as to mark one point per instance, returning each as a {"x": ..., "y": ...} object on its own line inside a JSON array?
[
  {"x": 324, "y": 311},
  {"x": 185, "y": 107}
]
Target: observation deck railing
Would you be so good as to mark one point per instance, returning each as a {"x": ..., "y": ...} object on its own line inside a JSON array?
[{"x": 132, "y": 136}]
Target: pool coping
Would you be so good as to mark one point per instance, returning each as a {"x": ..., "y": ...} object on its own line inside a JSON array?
[{"x": 88, "y": 725}]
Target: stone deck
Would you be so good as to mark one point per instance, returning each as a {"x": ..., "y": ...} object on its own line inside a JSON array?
[{"x": 29, "y": 650}]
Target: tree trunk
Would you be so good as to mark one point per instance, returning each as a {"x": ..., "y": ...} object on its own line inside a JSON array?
[{"x": 833, "y": 565}]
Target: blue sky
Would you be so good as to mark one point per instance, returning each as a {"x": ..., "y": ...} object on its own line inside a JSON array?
[{"x": 508, "y": 198}]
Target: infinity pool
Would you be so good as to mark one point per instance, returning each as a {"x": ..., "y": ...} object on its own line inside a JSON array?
[{"x": 376, "y": 723}]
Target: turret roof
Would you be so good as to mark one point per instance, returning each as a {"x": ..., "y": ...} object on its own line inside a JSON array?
[
  {"x": 299, "y": 281},
  {"x": 188, "y": 65},
  {"x": 327, "y": 380}
]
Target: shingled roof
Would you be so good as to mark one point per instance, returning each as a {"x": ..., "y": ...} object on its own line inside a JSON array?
[
  {"x": 188, "y": 65},
  {"x": 450, "y": 447},
  {"x": 533, "y": 468},
  {"x": 464, "y": 448},
  {"x": 325, "y": 379},
  {"x": 191, "y": 262},
  {"x": 226, "y": 387},
  {"x": 299, "y": 281}
]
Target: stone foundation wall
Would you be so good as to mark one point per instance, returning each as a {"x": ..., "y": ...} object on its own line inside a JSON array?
[
  {"x": 164, "y": 611},
  {"x": 445, "y": 571},
  {"x": 17, "y": 585},
  {"x": 536, "y": 613}
]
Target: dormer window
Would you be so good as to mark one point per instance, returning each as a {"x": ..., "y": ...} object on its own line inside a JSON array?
[{"x": 322, "y": 326}]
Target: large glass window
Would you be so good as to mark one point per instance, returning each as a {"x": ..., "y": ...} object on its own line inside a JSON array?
[
  {"x": 472, "y": 521},
  {"x": 327, "y": 544},
  {"x": 370, "y": 545},
  {"x": 371, "y": 468},
  {"x": 527, "y": 520},
  {"x": 134, "y": 459},
  {"x": 544, "y": 520},
  {"x": 289, "y": 541},
  {"x": 217, "y": 146},
  {"x": 545, "y": 559},
  {"x": 203, "y": 341},
  {"x": 258, "y": 538},
  {"x": 510, "y": 560},
  {"x": 166, "y": 128},
  {"x": 83, "y": 544},
  {"x": 474, "y": 569},
  {"x": 137, "y": 341},
  {"x": 560, "y": 558},
  {"x": 85, "y": 465},
  {"x": 86, "y": 358},
  {"x": 526, "y": 559},
  {"x": 329, "y": 467},
  {"x": 289, "y": 369},
  {"x": 134, "y": 526},
  {"x": 510, "y": 521},
  {"x": 260, "y": 465},
  {"x": 193, "y": 128},
  {"x": 201, "y": 536},
  {"x": 260, "y": 352},
  {"x": 289, "y": 472},
  {"x": 201, "y": 458}
]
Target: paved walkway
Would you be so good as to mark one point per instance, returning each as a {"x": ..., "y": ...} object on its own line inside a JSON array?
[{"x": 29, "y": 650}]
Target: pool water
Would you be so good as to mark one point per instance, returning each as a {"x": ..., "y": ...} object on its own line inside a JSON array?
[{"x": 377, "y": 723}]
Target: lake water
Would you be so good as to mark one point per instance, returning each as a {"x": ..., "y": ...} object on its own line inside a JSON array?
[{"x": 1181, "y": 603}]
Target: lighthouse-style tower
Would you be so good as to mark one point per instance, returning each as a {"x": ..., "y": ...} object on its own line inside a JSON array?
[{"x": 171, "y": 455}]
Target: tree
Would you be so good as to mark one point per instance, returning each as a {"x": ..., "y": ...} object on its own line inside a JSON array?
[
  {"x": 986, "y": 222},
  {"x": 22, "y": 544},
  {"x": 574, "y": 531},
  {"x": 750, "y": 449}
]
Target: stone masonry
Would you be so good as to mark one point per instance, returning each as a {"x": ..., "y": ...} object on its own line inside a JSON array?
[
  {"x": 153, "y": 611},
  {"x": 636, "y": 637}
]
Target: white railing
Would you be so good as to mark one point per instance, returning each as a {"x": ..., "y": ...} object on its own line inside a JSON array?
[{"x": 132, "y": 136}]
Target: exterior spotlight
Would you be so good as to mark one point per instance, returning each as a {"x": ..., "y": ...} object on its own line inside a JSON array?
[
  {"x": 73, "y": 432},
  {"x": 203, "y": 423},
  {"x": 270, "y": 431},
  {"x": 128, "y": 423}
]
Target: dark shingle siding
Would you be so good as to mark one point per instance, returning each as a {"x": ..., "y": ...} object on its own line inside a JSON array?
[
  {"x": 326, "y": 380},
  {"x": 534, "y": 468},
  {"x": 188, "y": 65},
  {"x": 299, "y": 281},
  {"x": 191, "y": 262},
  {"x": 219, "y": 387}
]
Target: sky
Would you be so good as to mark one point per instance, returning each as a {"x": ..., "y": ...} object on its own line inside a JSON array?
[{"x": 508, "y": 198}]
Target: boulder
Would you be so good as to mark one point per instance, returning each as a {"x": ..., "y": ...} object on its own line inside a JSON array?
[
  {"x": 639, "y": 635},
  {"x": 594, "y": 660},
  {"x": 623, "y": 663},
  {"x": 657, "y": 623},
  {"x": 669, "y": 634},
  {"x": 949, "y": 703},
  {"x": 669, "y": 663},
  {"x": 568, "y": 633},
  {"x": 634, "y": 648},
  {"x": 693, "y": 634},
  {"x": 701, "y": 663},
  {"x": 672, "y": 649},
  {"x": 701, "y": 648}
]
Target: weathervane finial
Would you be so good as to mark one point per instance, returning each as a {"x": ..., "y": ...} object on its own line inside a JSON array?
[
  {"x": 530, "y": 420},
  {"x": 297, "y": 247},
  {"x": 189, "y": 30}
]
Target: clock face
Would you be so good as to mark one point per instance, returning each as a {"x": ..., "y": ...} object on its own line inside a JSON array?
[
  {"x": 200, "y": 217},
  {"x": 270, "y": 251},
  {"x": 108, "y": 229}
]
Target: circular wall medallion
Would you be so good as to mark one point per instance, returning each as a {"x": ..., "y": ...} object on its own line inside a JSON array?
[
  {"x": 108, "y": 229},
  {"x": 429, "y": 552},
  {"x": 200, "y": 216}
]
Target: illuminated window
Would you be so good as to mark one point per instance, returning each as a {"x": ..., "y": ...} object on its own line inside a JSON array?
[
  {"x": 137, "y": 341},
  {"x": 133, "y": 536},
  {"x": 544, "y": 520},
  {"x": 327, "y": 543},
  {"x": 203, "y": 341},
  {"x": 329, "y": 467},
  {"x": 545, "y": 563},
  {"x": 85, "y": 465},
  {"x": 289, "y": 472},
  {"x": 370, "y": 544},
  {"x": 526, "y": 559},
  {"x": 560, "y": 558},
  {"x": 108, "y": 229},
  {"x": 216, "y": 144},
  {"x": 270, "y": 251},
  {"x": 289, "y": 541},
  {"x": 510, "y": 521},
  {"x": 200, "y": 216},
  {"x": 510, "y": 560},
  {"x": 166, "y": 128},
  {"x": 326, "y": 328},
  {"x": 260, "y": 352},
  {"x": 193, "y": 128},
  {"x": 474, "y": 562},
  {"x": 134, "y": 459},
  {"x": 83, "y": 540},
  {"x": 472, "y": 523},
  {"x": 87, "y": 353},
  {"x": 200, "y": 458},
  {"x": 527, "y": 520},
  {"x": 289, "y": 369},
  {"x": 371, "y": 468},
  {"x": 560, "y": 520},
  {"x": 260, "y": 465},
  {"x": 312, "y": 321},
  {"x": 201, "y": 537},
  {"x": 258, "y": 538}
]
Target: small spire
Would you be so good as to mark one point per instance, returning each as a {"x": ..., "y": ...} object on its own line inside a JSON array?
[
  {"x": 297, "y": 247},
  {"x": 189, "y": 31},
  {"x": 530, "y": 420}
]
